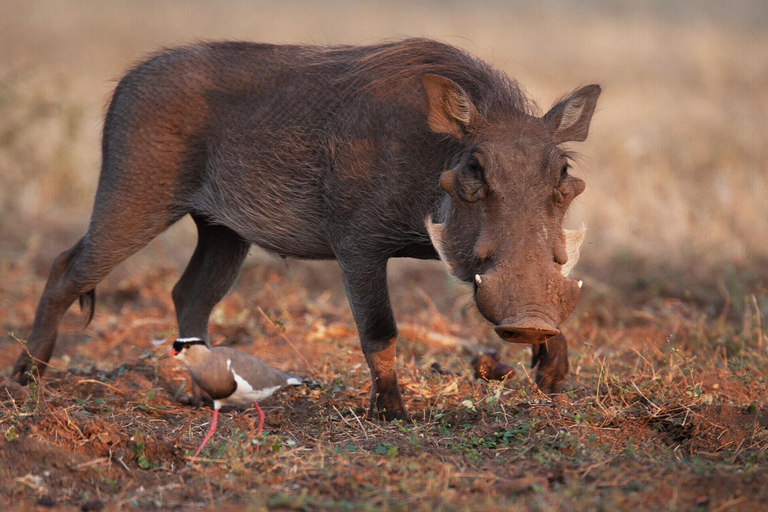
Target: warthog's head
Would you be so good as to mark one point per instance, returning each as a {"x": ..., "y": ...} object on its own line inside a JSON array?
[{"x": 500, "y": 225}]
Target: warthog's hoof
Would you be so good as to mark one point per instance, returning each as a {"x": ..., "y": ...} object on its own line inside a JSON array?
[
  {"x": 22, "y": 369},
  {"x": 388, "y": 406},
  {"x": 388, "y": 414}
]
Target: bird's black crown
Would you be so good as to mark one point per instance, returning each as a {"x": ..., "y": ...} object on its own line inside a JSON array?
[{"x": 181, "y": 343}]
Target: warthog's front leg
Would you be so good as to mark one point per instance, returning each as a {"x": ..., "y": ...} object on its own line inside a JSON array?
[
  {"x": 366, "y": 285},
  {"x": 552, "y": 358}
]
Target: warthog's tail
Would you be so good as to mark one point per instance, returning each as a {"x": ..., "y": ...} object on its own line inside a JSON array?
[{"x": 88, "y": 305}]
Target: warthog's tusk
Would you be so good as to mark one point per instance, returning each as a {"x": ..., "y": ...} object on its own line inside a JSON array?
[
  {"x": 580, "y": 283},
  {"x": 478, "y": 279}
]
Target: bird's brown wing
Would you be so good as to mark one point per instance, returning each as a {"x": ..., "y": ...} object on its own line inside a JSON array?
[
  {"x": 255, "y": 371},
  {"x": 213, "y": 377}
]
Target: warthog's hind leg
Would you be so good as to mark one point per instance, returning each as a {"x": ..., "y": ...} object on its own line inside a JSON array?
[{"x": 210, "y": 274}]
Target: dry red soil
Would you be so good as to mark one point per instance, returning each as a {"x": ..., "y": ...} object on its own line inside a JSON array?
[{"x": 665, "y": 406}]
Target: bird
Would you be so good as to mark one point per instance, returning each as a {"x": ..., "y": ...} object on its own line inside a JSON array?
[{"x": 230, "y": 377}]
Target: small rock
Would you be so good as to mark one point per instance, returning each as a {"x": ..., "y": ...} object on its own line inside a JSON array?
[
  {"x": 522, "y": 485},
  {"x": 92, "y": 506},
  {"x": 46, "y": 501},
  {"x": 439, "y": 369},
  {"x": 21, "y": 394},
  {"x": 11, "y": 385}
]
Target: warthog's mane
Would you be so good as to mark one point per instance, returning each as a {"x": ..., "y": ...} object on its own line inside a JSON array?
[
  {"x": 397, "y": 66},
  {"x": 391, "y": 69}
]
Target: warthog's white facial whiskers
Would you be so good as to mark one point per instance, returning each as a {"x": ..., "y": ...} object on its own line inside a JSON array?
[
  {"x": 573, "y": 240},
  {"x": 436, "y": 234}
]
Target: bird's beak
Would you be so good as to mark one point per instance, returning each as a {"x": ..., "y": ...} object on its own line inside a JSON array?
[{"x": 172, "y": 353}]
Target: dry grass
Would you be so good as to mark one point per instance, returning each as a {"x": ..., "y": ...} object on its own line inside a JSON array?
[
  {"x": 668, "y": 411},
  {"x": 666, "y": 405}
]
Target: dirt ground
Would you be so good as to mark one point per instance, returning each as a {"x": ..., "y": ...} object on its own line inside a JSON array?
[{"x": 665, "y": 407}]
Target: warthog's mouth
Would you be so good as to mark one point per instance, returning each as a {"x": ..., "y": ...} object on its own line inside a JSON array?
[
  {"x": 530, "y": 336},
  {"x": 527, "y": 329}
]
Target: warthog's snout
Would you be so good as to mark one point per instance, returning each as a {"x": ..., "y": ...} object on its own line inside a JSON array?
[
  {"x": 539, "y": 316},
  {"x": 528, "y": 329}
]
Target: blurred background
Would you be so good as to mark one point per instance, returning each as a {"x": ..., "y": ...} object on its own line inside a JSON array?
[{"x": 675, "y": 162}]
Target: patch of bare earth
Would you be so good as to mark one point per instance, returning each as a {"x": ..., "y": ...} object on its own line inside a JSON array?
[{"x": 656, "y": 414}]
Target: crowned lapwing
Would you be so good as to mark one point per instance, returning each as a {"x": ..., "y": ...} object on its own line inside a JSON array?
[{"x": 230, "y": 377}]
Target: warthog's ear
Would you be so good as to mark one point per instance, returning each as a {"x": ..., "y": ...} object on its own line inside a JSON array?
[
  {"x": 573, "y": 240},
  {"x": 569, "y": 119},
  {"x": 450, "y": 109}
]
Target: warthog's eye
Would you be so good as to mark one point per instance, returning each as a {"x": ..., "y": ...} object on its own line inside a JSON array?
[
  {"x": 562, "y": 187},
  {"x": 474, "y": 165},
  {"x": 469, "y": 182}
]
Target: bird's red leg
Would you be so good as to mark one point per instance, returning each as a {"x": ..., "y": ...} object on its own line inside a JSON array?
[
  {"x": 261, "y": 421},
  {"x": 207, "y": 436}
]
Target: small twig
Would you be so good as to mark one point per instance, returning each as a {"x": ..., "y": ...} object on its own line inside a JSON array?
[
  {"x": 203, "y": 459},
  {"x": 23, "y": 344},
  {"x": 304, "y": 359},
  {"x": 130, "y": 329},
  {"x": 342, "y": 416},
  {"x": 282, "y": 335},
  {"x": 31, "y": 481},
  {"x": 730, "y": 503},
  {"x": 686, "y": 417},
  {"x": 658, "y": 409},
  {"x": 608, "y": 416},
  {"x": 527, "y": 375},
  {"x": 758, "y": 318},
  {"x": 421, "y": 333},
  {"x": 120, "y": 460},
  {"x": 93, "y": 462},
  {"x": 359, "y": 422},
  {"x": 504, "y": 412},
  {"x": 94, "y": 381},
  {"x": 74, "y": 425},
  {"x": 653, "y": 370},
  {"x": 181, "y": 432}
]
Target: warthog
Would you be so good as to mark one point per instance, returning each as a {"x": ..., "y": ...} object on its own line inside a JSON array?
[{"x": 355, "y": 153}]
